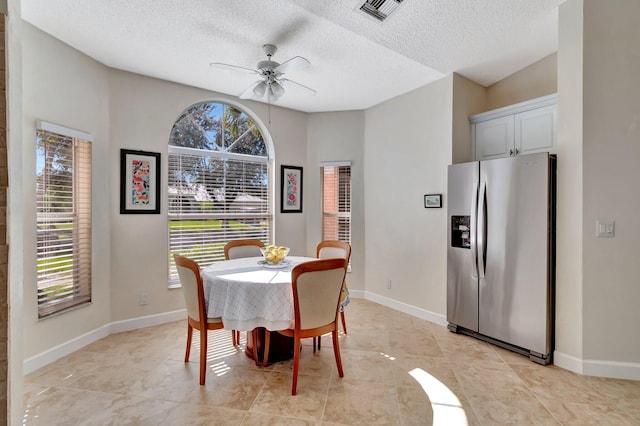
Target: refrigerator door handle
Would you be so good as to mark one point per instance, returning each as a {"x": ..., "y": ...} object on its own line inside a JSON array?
[
  {"x": 482, "y": 226},
  {"x": 473, "y": 228}
]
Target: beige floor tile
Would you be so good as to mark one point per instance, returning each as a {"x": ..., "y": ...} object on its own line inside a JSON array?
[
  {"x": 551, "y": 384},
  {"x": 398, "y": 370},
  {"x": 403, "y": 366},
  {"x": 276, "y": 399},
  {"x": 498, "y": 408},
  {"x": 361, "y": 403},
  {"x": 235, "y": 388},
  {"x": 569, "y": 413},
  {"x": 320, "y": 363},
  {"x": 64, "y": 406},
  {"x": 480, "y": 379},
  {"x": 367, "y": 366},
  {"x": 267, "y": 420},
  {"x": 366, "y": 341},
  {"x": 625, "y": 393},
  {"x": 410, "y": 342},
  {"x": 196, "y": 415}
]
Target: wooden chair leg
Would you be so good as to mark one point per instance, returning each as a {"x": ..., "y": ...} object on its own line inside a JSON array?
[
  {"x": 203, "y": 355},
  {"x": 234, "y": 339},
  {"x": 238, "y": 337},
  {"x": 344, "y": 323},
  {"x": 189, "y": 334},
  {"x": 336, "y": 352},
  {"x": 296, "y": 363},
  {"x": 265, "y": 357},
  {"x": 314, "y": 345},
  {"x": 254, "y": 333},
  {"x": 319, "y": 342}
]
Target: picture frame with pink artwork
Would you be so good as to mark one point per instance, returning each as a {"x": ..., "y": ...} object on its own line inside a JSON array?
[
  {"x": 139, "y": 182},
  {"x": 291, "y": 195}
]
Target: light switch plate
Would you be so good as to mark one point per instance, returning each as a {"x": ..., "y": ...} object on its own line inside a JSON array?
[{"x": 605, "y": 228}]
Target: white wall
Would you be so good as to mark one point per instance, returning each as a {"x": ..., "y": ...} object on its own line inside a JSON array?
[
  {"x": 469, "y": 98},
  {"x": 64, "y": 87},
  {"x": 407, "y": 150},
  {"x": 143, "y": 110},
  {"x": 536, "y": 80},
  {"x": 569, "y": 209},
  {"x": 611, "y": 155},
  {"x": 337, "y": 136},
  {"x": 598, "y": 151},
  {"x": 16, "y": 150},
  {"x": 121, "y": 110}
]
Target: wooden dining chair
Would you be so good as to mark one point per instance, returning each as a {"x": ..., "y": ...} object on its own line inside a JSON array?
[
  {"x": 193, "y": 291},
  {"x": 330, "y": 249},
  {"x": 237, "y": 249},
  {"x": 316, "y": 286}
]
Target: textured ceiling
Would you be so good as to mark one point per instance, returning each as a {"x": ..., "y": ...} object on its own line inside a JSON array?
[{"x": 356, "y": 62}]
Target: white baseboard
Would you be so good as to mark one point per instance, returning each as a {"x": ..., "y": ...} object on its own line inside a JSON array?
[
  {"x": 598, "y": 368},
  {"x": 147, "y": 321},
  {"x": 64, "y": 349},
  {"x": 404, "y": 307},
  {"x": 568, "y": 362}
]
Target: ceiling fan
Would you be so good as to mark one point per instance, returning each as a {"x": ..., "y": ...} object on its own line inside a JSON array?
[{"x": 271, "y": 82}]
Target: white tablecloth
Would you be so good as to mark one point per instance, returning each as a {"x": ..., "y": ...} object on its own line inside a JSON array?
[{"x": 246, "y": 294}]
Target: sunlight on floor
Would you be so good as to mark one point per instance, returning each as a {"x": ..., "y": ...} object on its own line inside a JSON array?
[
  {"x": 447, "y": 409},
  {"x": 220, "y": 346},
  {"x": 389, "y": 357}
]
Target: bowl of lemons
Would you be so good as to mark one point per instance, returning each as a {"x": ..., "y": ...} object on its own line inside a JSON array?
[{"x": 275, "y": 255}]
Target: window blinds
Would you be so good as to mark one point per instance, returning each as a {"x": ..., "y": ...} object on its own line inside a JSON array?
[
  {"x": 63, "y": 215},
  {"x": 214, "y": 198},
  {"x": 336, "y": 202}
]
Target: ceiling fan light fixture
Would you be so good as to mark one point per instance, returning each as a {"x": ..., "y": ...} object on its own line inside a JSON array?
[
  {"x": 276, "y": 89},
  {"x": 260, "y": 89}
]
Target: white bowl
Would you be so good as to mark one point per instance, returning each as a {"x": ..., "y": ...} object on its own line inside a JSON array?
[{"x": 276, "y": 255}]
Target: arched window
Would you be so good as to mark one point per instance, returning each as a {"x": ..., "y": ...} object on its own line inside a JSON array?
[{"x": 219, "y": 182}]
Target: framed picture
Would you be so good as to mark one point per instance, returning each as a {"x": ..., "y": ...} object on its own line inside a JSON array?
[
  {"x": 291, "y": 197},
  {"x": 139, "y": 182},
  {"x": 433, "y": 201}
]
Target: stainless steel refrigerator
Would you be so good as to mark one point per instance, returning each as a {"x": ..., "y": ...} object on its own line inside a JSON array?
[{"x": 501, "y": 252}]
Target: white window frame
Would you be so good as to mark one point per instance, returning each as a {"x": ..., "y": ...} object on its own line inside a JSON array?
[
  {"x": 60, "y": 289},
  {"x": 268, "y": 216},
  {"x": 345, "y": 215}
]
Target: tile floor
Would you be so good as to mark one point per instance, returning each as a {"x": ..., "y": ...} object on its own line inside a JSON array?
[{"x": 399, "y": 370}]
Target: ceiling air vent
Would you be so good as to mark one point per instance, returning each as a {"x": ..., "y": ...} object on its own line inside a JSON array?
[{"x": 379, "y": 9}]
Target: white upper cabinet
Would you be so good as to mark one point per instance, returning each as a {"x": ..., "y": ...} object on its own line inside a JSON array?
[
  {"x": 494, "y": 138},
  {"x": 523, "y": 128}
]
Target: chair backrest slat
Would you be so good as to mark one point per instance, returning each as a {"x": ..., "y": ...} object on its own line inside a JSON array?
[
  {"x": 237, "y": 249},
  {"x": 316, "y": 291},
  {"x": 329, "y": 249},
  {"x": 192, "y": 288}
]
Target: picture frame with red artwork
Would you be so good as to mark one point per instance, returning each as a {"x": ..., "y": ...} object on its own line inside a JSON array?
[
  {"x": 291, "y": 195},
  {"x": 139, "y": 182}
]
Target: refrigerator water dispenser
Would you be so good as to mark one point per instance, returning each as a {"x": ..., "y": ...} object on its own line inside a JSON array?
[{"x": 460, "y": 231}]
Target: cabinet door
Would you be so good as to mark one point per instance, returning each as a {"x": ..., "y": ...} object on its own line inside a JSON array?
[
  {"x": 535, "y": 130},
  {"x": 494, "y": 138}
]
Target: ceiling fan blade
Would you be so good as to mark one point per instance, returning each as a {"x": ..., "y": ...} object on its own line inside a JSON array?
[
  {"x": 309, "y": 90},
  {"x": 230, "y": 67},
  {"x": 297, "y": 62},
  {"x": 247, "y": 94}
]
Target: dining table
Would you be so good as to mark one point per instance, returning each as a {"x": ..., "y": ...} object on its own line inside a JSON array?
[{"x": 250, "y": 294}]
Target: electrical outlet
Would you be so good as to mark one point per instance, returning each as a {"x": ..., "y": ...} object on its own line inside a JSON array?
[
  {"x": 144, "y": 299},
  {"x": 389, "y": 284}
]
